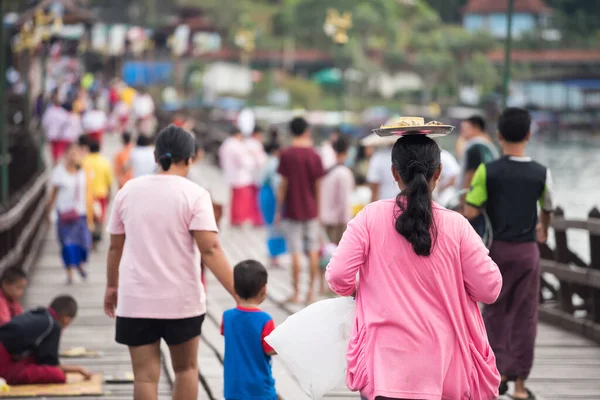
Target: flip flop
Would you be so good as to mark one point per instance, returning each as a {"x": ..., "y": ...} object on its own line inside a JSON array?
[{"x": 530, "y": 396}]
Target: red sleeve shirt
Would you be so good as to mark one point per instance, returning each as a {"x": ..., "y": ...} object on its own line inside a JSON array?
[{"x": 267, "y": 329}]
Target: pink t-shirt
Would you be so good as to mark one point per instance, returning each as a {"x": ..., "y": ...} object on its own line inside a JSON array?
[
  {"x": 418, "y": 332},
  {"x": 56, "y": 123},
  {"x": 159, "y": 274},
  {"x": 237, "y": 163},
  {"x": 336, "y": 188}
]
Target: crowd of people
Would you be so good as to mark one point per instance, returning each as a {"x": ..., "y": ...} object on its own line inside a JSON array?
[
  {"x": 353, "y": 210},
  {"x": 314, "y": 202}
]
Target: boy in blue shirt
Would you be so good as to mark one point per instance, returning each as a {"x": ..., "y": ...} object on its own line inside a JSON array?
[{"x": 247, "y": 365}]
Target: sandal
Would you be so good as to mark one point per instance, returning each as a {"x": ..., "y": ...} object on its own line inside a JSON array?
[{"x": 530, "y": 396}]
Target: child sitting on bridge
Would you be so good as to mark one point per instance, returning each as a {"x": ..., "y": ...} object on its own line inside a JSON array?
[
  {"x": 29, "y": 345},
  {"x": 12, "y": 285},
  {"x": 247, "y": 365}
]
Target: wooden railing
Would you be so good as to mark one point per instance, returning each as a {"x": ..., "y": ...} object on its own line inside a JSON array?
[
  {"x": 22, "y": 218},
  {"x": 575, "y": 277},
  {"x": 23, "y": 227}
]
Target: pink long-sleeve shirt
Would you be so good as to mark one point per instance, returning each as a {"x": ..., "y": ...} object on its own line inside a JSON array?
[{"x": 418, "y": 331}]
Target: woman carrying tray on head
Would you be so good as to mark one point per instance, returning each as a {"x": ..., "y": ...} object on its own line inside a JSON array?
[{"x": 422, "y": 271}]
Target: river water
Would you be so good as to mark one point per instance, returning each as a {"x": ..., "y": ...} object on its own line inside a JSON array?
[{"x": 575, "y": 169}]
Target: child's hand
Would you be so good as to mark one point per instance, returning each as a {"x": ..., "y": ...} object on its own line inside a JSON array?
[{"x": 87, "y": 375}]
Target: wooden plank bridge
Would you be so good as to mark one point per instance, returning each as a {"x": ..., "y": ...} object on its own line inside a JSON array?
[{"x": 567, "y": 364}]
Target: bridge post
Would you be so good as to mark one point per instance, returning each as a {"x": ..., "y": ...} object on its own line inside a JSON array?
[
  {"x": 595, "y": 264},
  {"x": 562, "y": 255}
]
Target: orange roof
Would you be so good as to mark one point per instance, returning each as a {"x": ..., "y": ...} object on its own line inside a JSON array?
[
  {"x": 495, "y": 6},
  {"x": 568, "y": 56}
]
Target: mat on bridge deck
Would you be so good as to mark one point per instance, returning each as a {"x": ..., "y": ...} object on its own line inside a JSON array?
[
  {"x": 76, "y": 386},
  {"x": 80, "y": 352},
  {"x": 126, "y": 377}
]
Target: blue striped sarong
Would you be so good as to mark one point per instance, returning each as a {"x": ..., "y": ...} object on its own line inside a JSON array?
[{"x": 75, "y": 240}]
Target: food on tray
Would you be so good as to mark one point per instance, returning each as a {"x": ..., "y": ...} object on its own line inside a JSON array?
[
  {"x": 404, "y": 122},
  {"x": 75, "y": 352},
  {"x": 435, "y": 123}
]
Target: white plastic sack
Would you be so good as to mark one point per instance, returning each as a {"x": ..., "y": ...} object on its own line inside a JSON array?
[{"x": 313, "y": 344}]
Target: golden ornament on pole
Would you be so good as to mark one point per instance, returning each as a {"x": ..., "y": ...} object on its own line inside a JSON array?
[{"x": 337, "y": 25}]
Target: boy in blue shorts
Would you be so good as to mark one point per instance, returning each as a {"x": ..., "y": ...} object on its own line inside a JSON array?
[{"x": 247, "y": 365}]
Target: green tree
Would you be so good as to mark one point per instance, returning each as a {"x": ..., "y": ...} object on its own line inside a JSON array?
[
  {"x": 579, "y": 21},
  {"x": 449, "y": 10},
  {"x": 449, "y": 57},
  {"x": 303, "y": 93}
]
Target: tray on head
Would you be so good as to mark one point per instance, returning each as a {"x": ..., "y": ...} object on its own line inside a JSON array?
[{"x": 428, "y": 130}]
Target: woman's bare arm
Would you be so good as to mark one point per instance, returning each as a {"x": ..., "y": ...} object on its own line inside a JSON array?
[
  {"x": 214, "y": 258},
  {"x": 115, "y": 252}
]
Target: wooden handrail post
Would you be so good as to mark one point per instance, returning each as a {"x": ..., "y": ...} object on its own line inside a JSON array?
[
  {"x": 561, "y": 254},
  {"x": 595, "y": 264}
]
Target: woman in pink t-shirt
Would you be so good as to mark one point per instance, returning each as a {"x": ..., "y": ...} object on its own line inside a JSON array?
[
  {"x": 418, "y": 332},
  {"x": 161, "y": 225}
]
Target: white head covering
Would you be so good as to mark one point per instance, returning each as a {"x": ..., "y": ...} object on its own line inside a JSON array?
[{"x": 246, "y": 122}]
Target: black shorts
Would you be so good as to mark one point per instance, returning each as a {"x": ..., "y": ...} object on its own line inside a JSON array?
[{"x": 142, "y": 331}]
